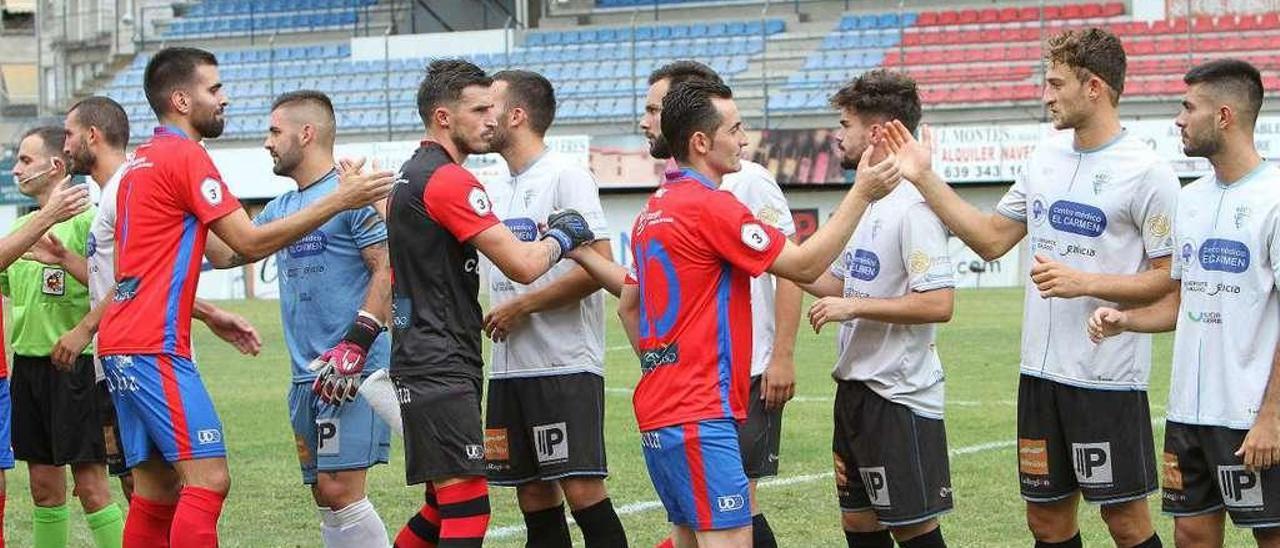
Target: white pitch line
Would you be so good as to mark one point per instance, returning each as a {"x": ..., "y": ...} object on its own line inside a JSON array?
[{"x": 508, "y": 531}]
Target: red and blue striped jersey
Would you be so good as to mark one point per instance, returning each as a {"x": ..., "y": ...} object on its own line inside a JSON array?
[
  {"x": 696, "y": 249},
  {"x": 169, "y": 193}
]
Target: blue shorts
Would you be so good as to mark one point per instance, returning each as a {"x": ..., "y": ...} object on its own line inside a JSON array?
[
  {"x": 329, "y": 439},
  {"x": 697, "y": 470},
  {"x": 6, "y": 409},
  {"x": 162, "y": 408}
]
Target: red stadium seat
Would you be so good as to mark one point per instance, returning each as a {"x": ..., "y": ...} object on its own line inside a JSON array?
[
  {"x": 1249, "y": 22},
  {"x": 1071, "y": 11},
  {"x": 1029, "y": 14},
  {"x": 968, "y": 17},
  {"x": 1008, "y": 15},
  {"x": 1091, "y": 11},
  {"x": 971, "y": 36},
  {"x": 948, "y": 17},
  {"x": 1140, "y": 47},
  {"x": 1052, "y": 12},
  {"x": 989, "y": 15},
  {"x": 911, "y": 39},
  {"x": 1202, "y": 23},
  {"x": 1270, "y": 20},
  {"x": 1113, "y": 9},
  {"x": 1209, "y": 44},
  {"x": 1227, "y": 23}
]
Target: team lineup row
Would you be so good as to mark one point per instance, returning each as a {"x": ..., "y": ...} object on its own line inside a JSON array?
[{"x": 710, "y": 306}]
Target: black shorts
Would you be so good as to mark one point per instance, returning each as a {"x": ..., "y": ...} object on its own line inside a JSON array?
[
  {"x": 894, "y": 461},
  {"x": 545, "y": 428},
  {"x": 443, "y": 436},
  {"x": 1097, "y": 442},
  {"x": 760, "y": 437},
  {"x": 1202, "y": 475},
  {"x": 55, "y": 414},
  {"x": 110, "y": 432}
]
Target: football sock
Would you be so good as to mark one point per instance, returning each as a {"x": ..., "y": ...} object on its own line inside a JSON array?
[
  {"x": 761, "y": 533},
  {"x": 423, "y": 529},
  {"x": 1153, "y": 542},
  {"x": 2, "y": 520},
  {"x": 107, "y": 526},
  {"x": 1073, "y": 542},
  {"x": 874, "y": 539},
  {"x": 148, "y": 523},
  {"x": 464, "y": 513},
  {"x": 51, "y": 526},
  {"x": 356, "y": 526},
  {"x": 666, "y": 543},
  {"x": 600, "y": 526},
  {"x": 195, "y": 521},
  {"x": 547, "y": 528},
  {"x": 932, "y": 539}
]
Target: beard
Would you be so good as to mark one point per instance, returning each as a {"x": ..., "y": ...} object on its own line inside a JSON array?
[
  {"x": 286, "y": 164},
  {"x": 851, "y": 162},
  {"x": 1202, "y": 147},
  {"x": 82, "y": 159},
  {"x": 209, "y": 126},
  {"x": 480, "y": 145},
  {"x": 659, "y": 148},
  {"x": 501, "y": 138}
]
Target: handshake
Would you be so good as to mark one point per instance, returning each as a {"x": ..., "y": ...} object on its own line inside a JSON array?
[{"x": 569, "y": 229}]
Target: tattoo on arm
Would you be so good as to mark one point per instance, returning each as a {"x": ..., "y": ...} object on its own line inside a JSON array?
[
  {"x": 551, "y": 252},
  {"x": 236, "y": 260}
]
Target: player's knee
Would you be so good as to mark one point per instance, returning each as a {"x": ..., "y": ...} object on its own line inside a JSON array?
[
  {"x": 538, "y": 495},
  {"x": 334, "y": 495},
  {"x": 860, "y": 522},
  {"x": 48, "y": 486},
  {"x": 1129, "y": 523},
  {"x": 1051, "y": 522},
  {"x": 1192, "y": 533},
  {"x": 584, "y": 492},
  {"x": 1267, "y": 537}
]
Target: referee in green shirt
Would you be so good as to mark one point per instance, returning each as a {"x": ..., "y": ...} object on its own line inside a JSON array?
[{"x": 55, "y": 417}]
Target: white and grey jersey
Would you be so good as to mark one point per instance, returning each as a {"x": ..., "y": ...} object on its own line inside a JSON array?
[
  {"x": 569, "y": 339},
  {"x": 755, "y": 187},
  {"x": 899, "y": 246},
  {"x": 100, "y": 252},
  {"x": 1106, "y": 210},
  {"x": 1229, "y": 323}
]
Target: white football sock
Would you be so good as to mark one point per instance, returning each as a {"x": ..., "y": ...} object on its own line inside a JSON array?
[{"x": 356, "y": 526}]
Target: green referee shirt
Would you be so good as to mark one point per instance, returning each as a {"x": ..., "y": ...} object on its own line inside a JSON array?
[{"x": 47, "y": 302}]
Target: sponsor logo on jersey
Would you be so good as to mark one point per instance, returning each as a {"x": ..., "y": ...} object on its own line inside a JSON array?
[
  {"x": 1039, "y": 209},
  {"x": 658, "y": 357},
  {"x": 1217, "y": 254},
  {"x": 770, "y": 215},
  {"x": 650, "y": 440},
  {"x": 863, "y": 265},
  {"x": 209, "y": 436},
  {"x": 1187, "y": 253},
  {"x": 90, "y": 246},
  {"x": 730, "y": 503},
  {"x": 401, "y": 309},
  {"x": 310, "y": 245},
  {"x": 523, "y": 227},
  {"x": 479, "y": 202},
  {"x": 53, "y": 281},
  {"x": 1100, "y": 180},
  {"x": 304, "y": 451},
  {"x": 1242, "y": 216},
  {"x": 1172, "y": 473},
  {"x": 211, "y": 190},
  {"x": 1240, "y": 488},
  {"x": 127, "y": 288},
  {"x": 328, "y": 435},
  {"x": 1092, "y": 462},
  {"x": 1204, "y": 317},
  {"x": 919, "y": 262},
  {"x": 1073, "y": 249},
  {"x": 475, "y": 451},
  {"x": 877, "y": 484},
  {"x": 495, "y": 444},
  {"x": 1158, "y": 225},
  {"x": 1077, "y": 218},
  {"x": 755, "y": 237},
  {"x": 551, "y": 443}
]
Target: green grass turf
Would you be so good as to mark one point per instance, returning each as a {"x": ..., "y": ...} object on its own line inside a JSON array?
[{"x": 269, "y": 507}]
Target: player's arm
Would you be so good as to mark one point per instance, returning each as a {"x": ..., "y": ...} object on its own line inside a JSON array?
[
  {"x": 827, "y": 285},
  {"x": 49, "y": 250},
  {"x": 64, "y": 203},
  {"x": 339, "y": 370},
  {"x": 522, "y": 262},
  {"x": 1156, "y": 317},
  {"x": 990, "y": 235},
  {"x": 778, "y": 383},
  {"x": 576, "y": 284},
  {"x": 629, "y": 314},
  {"x": 1055, "y": 279},
  {"x": 1261, "y": 447},
  {"x": 72, "y": 343},
  {"x": 377, "y": 299},
  {"x": 228, "y": 326},
  {"x": 916, "y": 307},
  {"x": 805, "y": 262},
  {"x": 249, "y": 243},
  {"x": 608, "y": 274}
]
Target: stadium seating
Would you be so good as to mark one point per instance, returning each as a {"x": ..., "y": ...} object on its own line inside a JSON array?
[{"x": 242, "y": 17}]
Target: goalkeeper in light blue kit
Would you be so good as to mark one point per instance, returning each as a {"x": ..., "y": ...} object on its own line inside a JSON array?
[{"x": 335, "y": 287}]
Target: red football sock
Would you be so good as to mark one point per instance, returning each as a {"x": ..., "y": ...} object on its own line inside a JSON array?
[
  {"x": 1, "y": 520},
  {"x": 195, "y": 522},
  {"x": 666, "y": 543},
  {"x": 148, "y": 523},
  {"x": 464, "y": 513},
  {"x": 423, "y": 529}
]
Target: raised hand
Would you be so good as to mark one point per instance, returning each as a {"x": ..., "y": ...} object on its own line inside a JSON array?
[
  {"x": 65, "y": 201},
  {"x": 915, "y": 158},
  {"x": 357, "y": 188},
  {"x": 569, "y": 229},
  {"x": 876, "y": 181}
]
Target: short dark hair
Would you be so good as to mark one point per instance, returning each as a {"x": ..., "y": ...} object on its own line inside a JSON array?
[
  {"x": 445, "y": 80},
  {"x": 683, "y": 71},
  {"x": 105, "y": 114},
  {"x": 1091, "y": 51},
  {"x": 882, "y": 93},
  {"x": 687, "y": 109},
  {"x": 53, "y": 138},
  {"x": 533, "y": 93},
  {"x": 169, "y": 69},
  {"x": 309, "y": 96},
  {"x": 1237, "y": 78}
]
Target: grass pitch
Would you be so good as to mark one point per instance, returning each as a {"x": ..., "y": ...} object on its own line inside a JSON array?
[{"x": 269, "y": 507}]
